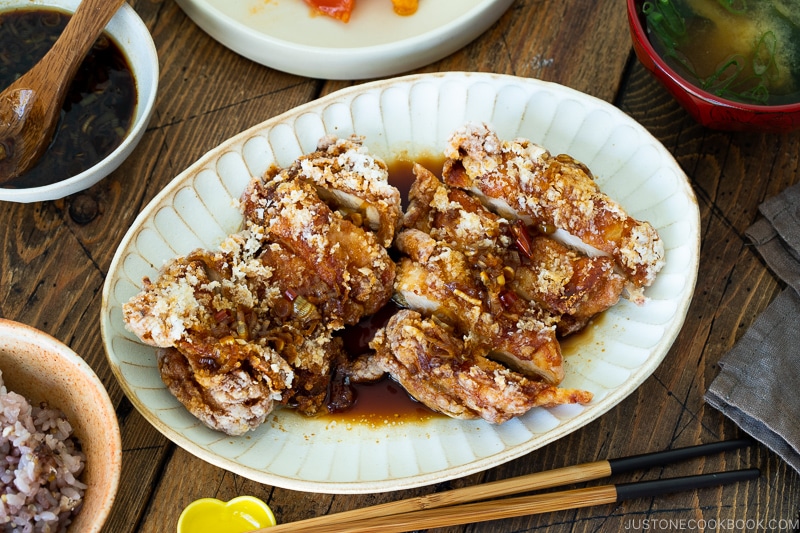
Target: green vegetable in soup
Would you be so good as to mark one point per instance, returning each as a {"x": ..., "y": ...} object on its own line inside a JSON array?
[{"x": 744, "y": 50}]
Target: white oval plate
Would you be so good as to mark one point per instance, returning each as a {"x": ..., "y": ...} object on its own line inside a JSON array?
[
  {"x": 413, "y": 116},
  {"x": 285, "y": 35}
]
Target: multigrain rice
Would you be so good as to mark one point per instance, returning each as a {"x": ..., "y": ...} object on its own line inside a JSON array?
[{"x": 40, "y": 463}]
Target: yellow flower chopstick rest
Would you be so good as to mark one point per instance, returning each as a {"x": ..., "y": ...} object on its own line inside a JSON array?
[{"x": 239, "y": 515}]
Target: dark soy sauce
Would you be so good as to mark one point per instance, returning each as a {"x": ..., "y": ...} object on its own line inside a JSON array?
[{"x": 100, "y": 103}]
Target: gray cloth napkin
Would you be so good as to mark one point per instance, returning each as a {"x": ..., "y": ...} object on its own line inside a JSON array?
[{"x": 757, "y": 386}]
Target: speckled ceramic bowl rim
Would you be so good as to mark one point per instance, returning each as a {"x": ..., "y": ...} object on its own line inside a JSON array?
[
  {"x": 130, "y": 33},
  {"x": 15, "y": 336}
]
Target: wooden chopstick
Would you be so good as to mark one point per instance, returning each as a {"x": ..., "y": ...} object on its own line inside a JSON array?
[
  {"x": 540, "y": 480},
  {"x": 524, "y": 505}
]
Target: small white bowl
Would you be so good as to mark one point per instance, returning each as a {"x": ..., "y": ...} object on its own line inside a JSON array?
[
  {"x": 41, "y": 368},
  {"x": 132, "y": 36}
]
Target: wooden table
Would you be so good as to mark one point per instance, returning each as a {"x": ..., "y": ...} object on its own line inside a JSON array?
[{"x": 55, "y": 256}]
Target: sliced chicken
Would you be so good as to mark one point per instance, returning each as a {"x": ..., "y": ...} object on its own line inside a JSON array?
[
  {"x": 567, "y": 284},
  {"x": 449, "y": 374},
  {"x": 353, "y": 181},
  {"x": 521, "y": 180},
  {"x": 439, "y": 281},
  {"x": 453, "y": 216},
  {"x": 346, "y": 258},
  {"x": 232, "y": 402},
  {"x": 252, "y": 325}
]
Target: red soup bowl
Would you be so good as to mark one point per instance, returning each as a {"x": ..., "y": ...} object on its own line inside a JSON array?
[{"x": 708, "y": 109}]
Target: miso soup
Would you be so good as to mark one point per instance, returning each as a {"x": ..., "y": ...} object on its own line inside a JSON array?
[{"x": 742, "y": 50}]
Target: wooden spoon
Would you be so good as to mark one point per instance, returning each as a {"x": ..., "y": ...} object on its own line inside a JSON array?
[{"x": 30, "y": 107}]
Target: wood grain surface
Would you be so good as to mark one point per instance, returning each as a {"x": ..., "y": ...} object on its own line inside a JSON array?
[{"x": 55, "y": 256}]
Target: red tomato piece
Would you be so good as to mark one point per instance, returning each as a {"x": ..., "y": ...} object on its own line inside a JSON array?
[{"x": 338, "y": 9}]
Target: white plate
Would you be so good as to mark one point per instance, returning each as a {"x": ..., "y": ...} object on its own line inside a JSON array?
[
  {"x": 413, "y": 116},
  {"x": 285, "y": 35}
]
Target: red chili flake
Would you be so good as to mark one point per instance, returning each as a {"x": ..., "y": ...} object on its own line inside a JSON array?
[
  {"x": 290, "y": 295},
  {"x": 508, "y": 298},
  {"x": 523, "y": 238}
]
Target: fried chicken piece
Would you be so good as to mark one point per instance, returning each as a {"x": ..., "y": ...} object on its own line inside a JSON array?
[
  {"x": 303, "y": 294},
  {"x": 439, "y": 281},
  {"x": 453, "y": 216},
  {"x": 521, "y": 180},
  {"x": 203, "y": 293},
  {"x": 298, "y": 318},
  {"x": 311, "y": 357},
  {"x": 354, "y": 182},
  {"x": 345, "y": 257},
  {"x": 228, "y": 383},
  {"x": 201, "y": 318},
  {"x": 233, "y": 402},
  {"x": 207, "y": 304},
  {"x": 566, "y": 284},
  {"x": 203, "y": 309},
  {"x": 251, "y": 325},
  {"x": 450, "y": 374}
]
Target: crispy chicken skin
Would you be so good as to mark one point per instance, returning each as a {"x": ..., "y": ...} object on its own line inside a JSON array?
[
  {"x": 514, "y": 262},
  {"x": 453, "y": 216},
  {"x": 252, "y": 325},
  {"x": 201, "y": 317},
  {"x": 199, "y": 295},
  {"x": 440, "y": 281},
  {"x": 355, "y": 268},
  {"x": 449, "y": 374},
  {"x": 521, "y": 180},
  {"x": 233, "y": 402},
  {"x": 567, "y": 284},
  {"x": 347, "y": 177}
]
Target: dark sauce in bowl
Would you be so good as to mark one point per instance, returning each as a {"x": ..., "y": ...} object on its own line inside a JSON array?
[{"x": 99, "y": 107}]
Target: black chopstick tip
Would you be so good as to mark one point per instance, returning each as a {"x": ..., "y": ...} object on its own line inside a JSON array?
[
  {"x": 648, "y": 460},
  {"x": 647, "y": 489}
]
